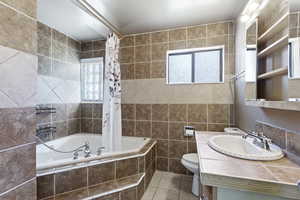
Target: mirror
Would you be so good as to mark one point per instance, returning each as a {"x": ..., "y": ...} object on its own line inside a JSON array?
[
  {"x": 251, "y": 62},
  {"x": 294, "y": 51},
  {"x": 66, "y": 34}
]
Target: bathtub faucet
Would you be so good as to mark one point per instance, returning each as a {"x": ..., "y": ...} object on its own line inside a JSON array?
[
  {"x": 76, "y": 154},
  {"x": 87, "y": 151}
]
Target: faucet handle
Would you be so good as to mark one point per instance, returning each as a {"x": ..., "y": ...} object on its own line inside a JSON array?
[
  {"x": 99, "y": 150},
  {"x": 76, "y": 154}
]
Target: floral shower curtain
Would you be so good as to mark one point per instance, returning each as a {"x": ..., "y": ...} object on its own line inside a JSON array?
[{"x": 112, "y": 125}]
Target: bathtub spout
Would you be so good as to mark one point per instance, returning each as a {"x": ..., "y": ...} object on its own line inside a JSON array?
[{"x": 87, "y": 151}]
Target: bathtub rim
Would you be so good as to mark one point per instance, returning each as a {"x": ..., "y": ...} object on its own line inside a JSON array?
[
  {"x": 92, "y": 158},
  {"x": 96, "y": 160}
]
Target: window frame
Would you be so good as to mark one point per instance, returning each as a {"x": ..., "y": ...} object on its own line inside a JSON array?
[
  {"x": 87, "y": 60},
  {"x": 192, "y": 52}
]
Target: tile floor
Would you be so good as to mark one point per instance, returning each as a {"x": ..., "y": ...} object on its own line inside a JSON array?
[{"x": 169, "y": 186}]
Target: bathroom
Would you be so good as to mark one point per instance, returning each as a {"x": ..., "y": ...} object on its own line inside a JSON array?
[{"x": 149, "y": 100}]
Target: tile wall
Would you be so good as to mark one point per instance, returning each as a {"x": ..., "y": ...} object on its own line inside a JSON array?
[
  {"x": 91, "y": 118},
  {"x": 288, "y": 140},
  {"x": 165, "y": 122},
  {"x": 58, "y": 81},
  {"x": 143, "y": 56},
  {"x": 99, "y": 178},
  {"x": 150, "y": 108},
  {"x": 294, "y": 24},
  {"x": 92, "y": 49},
  {"x": 18, "y": 74}
]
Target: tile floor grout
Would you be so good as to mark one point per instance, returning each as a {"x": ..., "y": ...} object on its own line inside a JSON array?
[{"x": 169, "y": 186}]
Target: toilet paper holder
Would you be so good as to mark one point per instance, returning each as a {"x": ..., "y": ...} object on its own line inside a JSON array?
[{"x": 188, "y": 131}]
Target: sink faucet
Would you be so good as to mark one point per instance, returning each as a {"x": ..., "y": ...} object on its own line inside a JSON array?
[{"x": 260, "y": 136}]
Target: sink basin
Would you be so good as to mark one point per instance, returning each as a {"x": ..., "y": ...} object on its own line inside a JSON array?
[{"x": 238, "y": 147}]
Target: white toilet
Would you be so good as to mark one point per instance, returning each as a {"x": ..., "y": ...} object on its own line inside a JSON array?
[{"x": 190, "y": 161}]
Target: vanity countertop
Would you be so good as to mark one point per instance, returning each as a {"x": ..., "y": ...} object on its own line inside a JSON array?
[{"x": 278, "y": 178}]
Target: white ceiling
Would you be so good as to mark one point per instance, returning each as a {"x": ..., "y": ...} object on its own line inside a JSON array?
[{"x": 135, "y": 16}]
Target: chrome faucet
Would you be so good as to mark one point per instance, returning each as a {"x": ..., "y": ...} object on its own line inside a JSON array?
[
  {"x": 87, "y": 151},
  {"x": 265, "y": 142},
  {"x": 76, "y": 154},
  {"x": 100, "y": 150}
]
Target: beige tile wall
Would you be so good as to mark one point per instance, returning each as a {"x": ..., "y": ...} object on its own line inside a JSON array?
[
  {"x": 58, "y": 81},
  {"x": 294, "y": 24},
  {"x": 153, "y": 109},
  {"x": 100, "y": 178},
  {"x": 165, "y": 122},
  {"x": 92, "y": 49},
  {"x": 18, "y": 74},
  {"x": 288, "y": 140},
  {"x": 143, "y": 60},
  {"x": 59, "y": 67},
  {"x": 142, "y": 56}
]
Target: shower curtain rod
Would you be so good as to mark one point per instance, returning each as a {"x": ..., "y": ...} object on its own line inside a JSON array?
[{"x": 92, "y": 11}]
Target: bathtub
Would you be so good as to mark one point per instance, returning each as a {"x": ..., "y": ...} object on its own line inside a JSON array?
[{"x": 49, "y": 159}]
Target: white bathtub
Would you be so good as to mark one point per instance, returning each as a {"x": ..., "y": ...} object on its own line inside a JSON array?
[{"x": 47, "y": 158}]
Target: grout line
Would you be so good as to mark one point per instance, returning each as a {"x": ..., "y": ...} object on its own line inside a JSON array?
[
  {"x": 16, "y": 147},
  {"x": 54, "y": 181},
  {"x": 16, "y": 187},
  {"x": 19, "y": 12}
]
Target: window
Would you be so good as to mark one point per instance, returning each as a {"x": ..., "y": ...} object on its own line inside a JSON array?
[
  {"x": 92, "y": 79},
  {"x": 294, "y": 58},
  {"x": 203, "y": 65},
  {"x": 251, "y": 64}
]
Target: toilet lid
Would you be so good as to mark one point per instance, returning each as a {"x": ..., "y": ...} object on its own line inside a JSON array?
[{"x": 191, "y": 157}]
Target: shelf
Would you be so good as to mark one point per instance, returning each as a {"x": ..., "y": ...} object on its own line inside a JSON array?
[
  {"x": 274, "y": 46},
  {"x": 276, "y": 72},
  {"x": 280, "y": 105},
  {"x": 275, "y": 28}
]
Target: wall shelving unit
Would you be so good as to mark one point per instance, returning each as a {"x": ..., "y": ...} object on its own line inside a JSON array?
[{"x": 272, "y": 43}]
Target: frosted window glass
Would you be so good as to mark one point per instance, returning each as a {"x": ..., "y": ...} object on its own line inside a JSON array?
[
  {"x": 250, "y": 66},
  {"x": 208, "y": 67},
  {"x": 180, "y": 68},
  {"x": 92, "y": 79},
  {"x": 294, "y": 58}
]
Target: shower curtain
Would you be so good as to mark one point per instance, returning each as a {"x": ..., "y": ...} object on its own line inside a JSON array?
[{"x": 111, "y": 125}]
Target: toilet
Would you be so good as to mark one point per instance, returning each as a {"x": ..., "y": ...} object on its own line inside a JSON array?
[{"x": 190, "y": 162}]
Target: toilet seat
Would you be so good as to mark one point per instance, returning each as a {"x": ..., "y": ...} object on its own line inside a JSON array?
[{"x": 191, "y": 158}]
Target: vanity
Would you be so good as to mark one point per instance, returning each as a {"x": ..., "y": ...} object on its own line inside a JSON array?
[{"x": 224, "y": 177}]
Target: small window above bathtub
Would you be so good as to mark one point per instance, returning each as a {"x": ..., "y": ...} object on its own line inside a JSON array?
[
  {"x": 189, "y": 66},
  {"x": 92, "y": 79}
]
